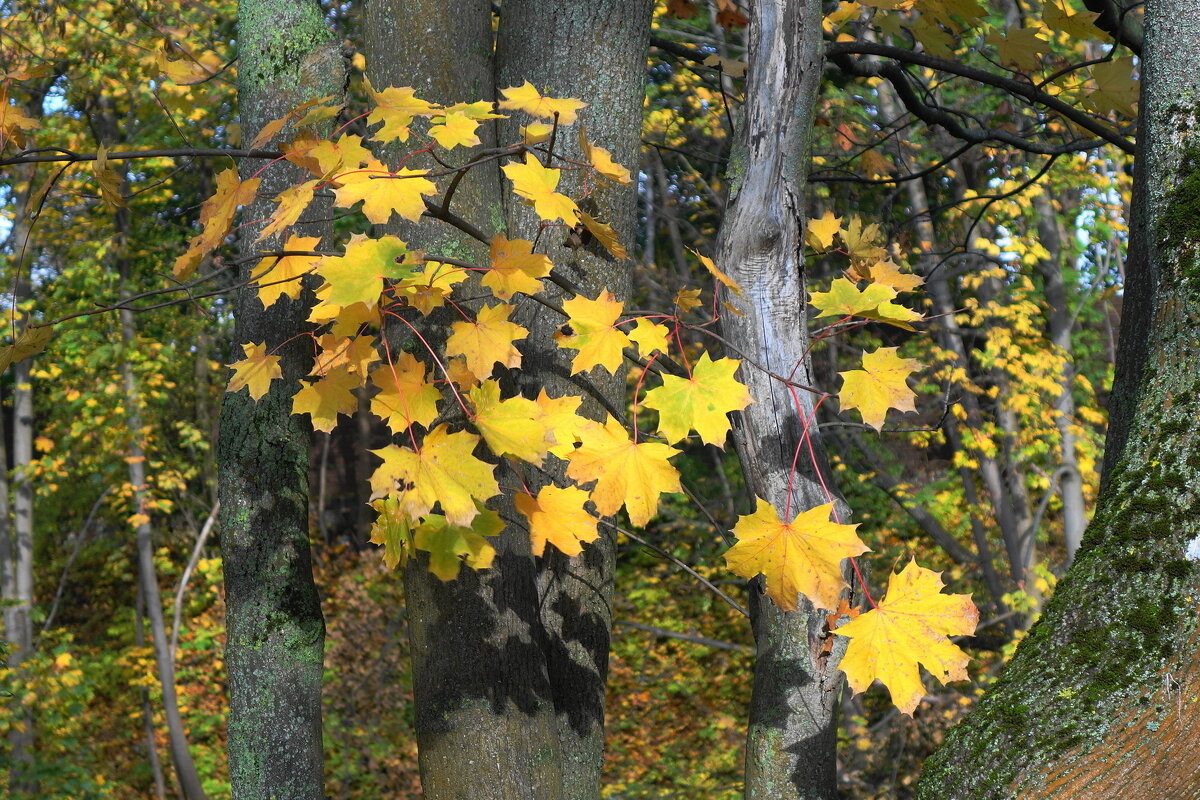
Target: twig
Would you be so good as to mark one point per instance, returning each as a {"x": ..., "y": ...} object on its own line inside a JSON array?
[
  {"x": 687, "y": 637},
  {"x": 732, "y": 603},
  {"x": 187, "y": 574},
  {"x": 62, "y": 582}
]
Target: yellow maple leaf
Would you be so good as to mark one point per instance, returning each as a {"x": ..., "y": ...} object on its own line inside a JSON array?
[
  {"x": 487, "y": 340},
  {"x": 1021, "y": 48},
  {"x": 455, "y": 129},
  {"x": 933, "y": 37},
  {"x": 188, "y": 68},
  {"x": 888, "y": 273},
  {"x": 844, "y": 12},
  {"x": 821, "y": 231},
  {"x": 306, "y": 114},
  {"x": 326, "y": 398},
  {"x": 458, "y": 373},
  {"x": 649, "y": 336},
  {"x": 428, "y": 289},
  {"x": 479, "y": 110},
  {"x": 879, "y": 385},
  {"x": 846, "y": 299},
  {"x": 291, "y": 203},
  {"x": 626, "y": 473},
  {"x": 604, "y": 234},
  {"x": 358, "y": 276},
  {"x": 1077, "y": 25},
  {"x": 721, "y": 277},
  {"x": 801, "y": 557},
  {"x": 107, "y": 178},
  {"x": 384, "y": 192},
  {"x": 324, "y": 157},
  {"x": 396, "y": 107},
  {"x": 445, "y": 472},
  {"x": 687, "y": 299},
  {"x": 908, "y": 627},
  {"x": 563, "y": 420},
  {"x": 1116, "y": 88},
  {"x": 536, "y": 132},
  {"x": 702, "y": 402},
  {"x": 513, "y": 426},
  {"x": 216, "y": 217},
  {"x": 515, "y": 268},
  {"x": 450, "y": 546},
  {"x": 29, "y": 342},
  {"x": 873, "y": 302},
  {"x": 862, "y": 241},
  {"x": 282, "y": 278},
  {"x": 356, "y": 353},
  {"x": 346, "y": 319},
  {"x": 320, "y": 113},
  {"x": 14, "y": 120},
  {"x": 527, "y": 98},
  {"x": 602, "y": 160},
  {"x": 557, "y": 516},
  {"x": 593, "y": 332},
  {"x": 536, "y": 184},
  {"x": 255, "y": 371},
  {"x": 405, "y": 397},
  {"x": 391, "y": 530}
]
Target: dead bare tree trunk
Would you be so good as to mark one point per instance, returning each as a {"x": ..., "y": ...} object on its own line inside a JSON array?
[{"x": 792, "y": 735}]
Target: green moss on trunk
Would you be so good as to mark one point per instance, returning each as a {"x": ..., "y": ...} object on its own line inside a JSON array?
[{"x": 275, "y": 630}]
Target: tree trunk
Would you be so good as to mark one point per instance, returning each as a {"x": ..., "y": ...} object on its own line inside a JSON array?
[
  {"x": 484, "y": 718},
  {"x": 1058, "y": 330},
  {"x": 275, "y": 631},
  {"x": 18, "y": 625},
  {"x": 1097, "y": 702},
  {"x": 181, "y": 757},
  {"x": 17, "y": 617},
  {"x": 792, "y": 735},
  {"x": 595, "y": 51},
  {"x": 526, "y": 642},
  {"x": 139, "y": 639}
]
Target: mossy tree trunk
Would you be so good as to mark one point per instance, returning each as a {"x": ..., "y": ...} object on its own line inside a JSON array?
[
  {"x": 1100, "y": 699},
  {"x": 509, "y": 664},
  {"x": 792, "y": 733},
  {"x": 275, "y": 631}
]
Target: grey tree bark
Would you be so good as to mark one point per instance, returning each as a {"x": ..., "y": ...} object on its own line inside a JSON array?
[
  {"x": 481, "y": 688},
  {"x": 181, "y": 757},
  {"x": 1097, "y": 701},
  {"x": 792, "y": 734},
  {"x": 156, "y": 770},
  {"x": 18, "y": 624},
  {"x": 1058, "y": 329},
  {"x": 275, "y": 630},
  {"x": 509, "y": 664},
  {"x": 593, "y": 50},
  {"x": 106, "y": 126}
]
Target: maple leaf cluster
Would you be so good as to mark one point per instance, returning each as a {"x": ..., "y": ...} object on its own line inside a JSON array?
[
  {"x": 458, "y": 434},
  {"x": 455, "y": 428}
]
